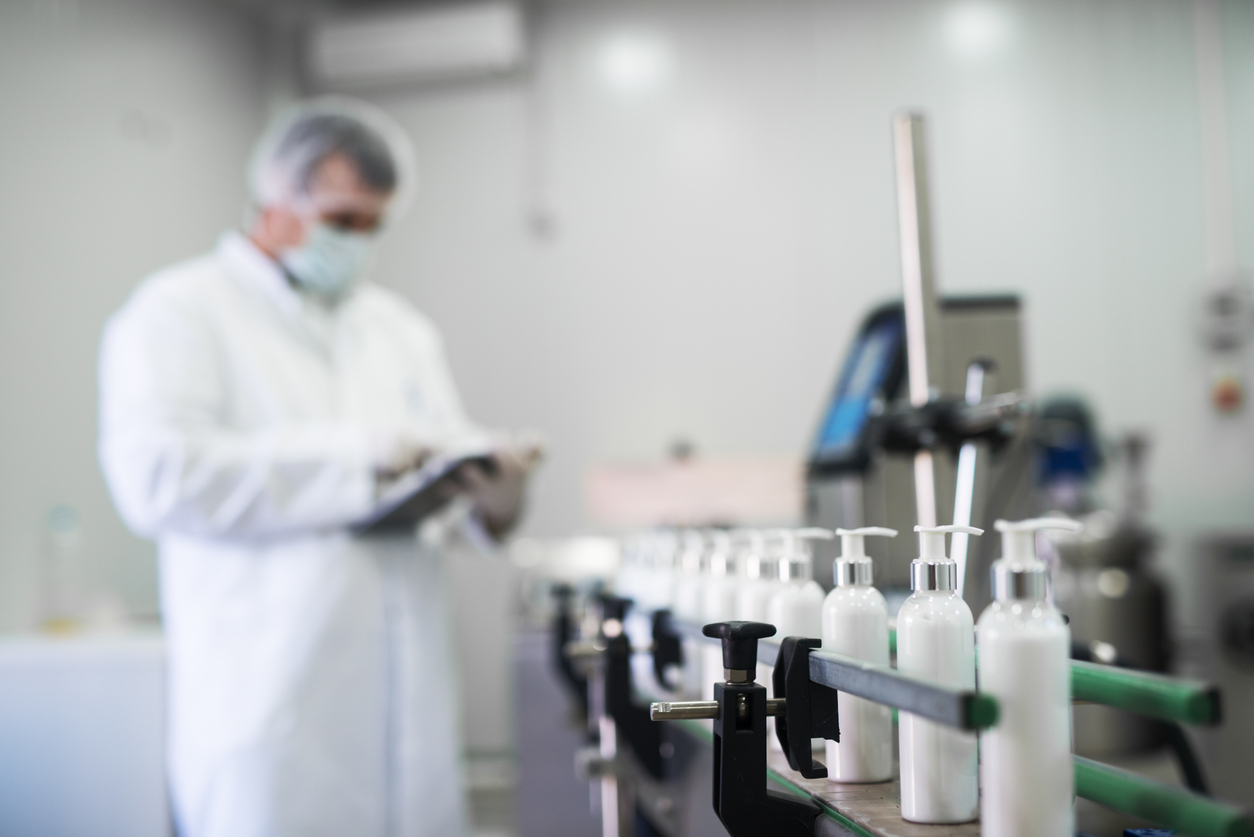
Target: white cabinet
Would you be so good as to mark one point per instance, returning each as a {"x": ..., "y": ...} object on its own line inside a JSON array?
[{"x": 82, "y": 725}]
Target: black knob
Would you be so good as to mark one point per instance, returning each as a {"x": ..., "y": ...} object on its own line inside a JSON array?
[
  {"x": 563, "y": 592},
  {"x": 740, "y": 642},
  {"x": 614, "y": 607}
]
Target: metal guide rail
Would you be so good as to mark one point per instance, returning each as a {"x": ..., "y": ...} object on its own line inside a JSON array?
[
  {"x": 1142, "y": 692},
  {"x": 957, "y": 708}
]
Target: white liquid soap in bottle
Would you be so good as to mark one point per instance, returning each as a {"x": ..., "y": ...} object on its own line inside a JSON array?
[
  {"x": 1026, "y": 772},
  {"x": 686, "y": 607},
  {"x": 661, "y": 563},
  {"x": 686, "y": 598},
  {"x": 796, "y": 609},
  {"x": 718, "y": 603},
  {"x": 718, "y": 596},
  {"x": 749, "y": 546},
  {"x": 855, "y": 623},
  {"x": 758, "y": 581},
  {"x": 936, "y": 641}
]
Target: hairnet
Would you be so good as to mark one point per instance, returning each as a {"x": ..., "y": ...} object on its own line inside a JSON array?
[{"x": 300, "y": 138}]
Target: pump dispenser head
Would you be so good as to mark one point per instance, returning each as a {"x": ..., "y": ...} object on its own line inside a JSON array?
[
  {"x": 748, "y": 546},
  {"x": 933, "y": 569},
  {"x": 795, "y": 561},
  {"x": 693, "y": 552},
  {"x": 1020, "y": 574},
  {"x": 722, "y": 561},
  {"x": 854, "y": 565}
]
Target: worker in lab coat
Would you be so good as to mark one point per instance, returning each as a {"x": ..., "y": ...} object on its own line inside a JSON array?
[{"x": 255, "y": 401}]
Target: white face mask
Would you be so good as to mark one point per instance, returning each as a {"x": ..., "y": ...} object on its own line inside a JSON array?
[{"x": 330, "y": 260}]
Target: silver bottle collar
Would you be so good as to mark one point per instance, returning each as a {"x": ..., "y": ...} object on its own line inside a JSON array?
[
  {"x": 851, "y": 571},
  {"x": 1019, "y": 582},
  {"x": 926, "y": 575}
]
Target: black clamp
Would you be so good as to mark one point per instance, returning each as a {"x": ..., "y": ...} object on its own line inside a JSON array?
[
  {"x": 563, "y": 635},
  {"x": 668, "y": 649},
  {"x": 810, "y": 710},
  {"x": 631, "y": 720},
  {"x": 742, "y": 801}
]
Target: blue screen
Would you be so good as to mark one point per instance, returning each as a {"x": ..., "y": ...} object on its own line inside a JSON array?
[{"x": 860, "y": 382}]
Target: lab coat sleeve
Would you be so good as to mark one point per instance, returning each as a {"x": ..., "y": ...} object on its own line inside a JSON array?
[{"x": 173, "y": 464}]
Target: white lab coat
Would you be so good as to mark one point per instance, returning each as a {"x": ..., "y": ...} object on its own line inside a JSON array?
[{"x": 311, "y": 679}]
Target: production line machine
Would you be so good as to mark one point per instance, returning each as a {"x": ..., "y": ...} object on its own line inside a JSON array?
[
  {"x": 660, "y": 779},
  {"x": 927, "y": 422}
]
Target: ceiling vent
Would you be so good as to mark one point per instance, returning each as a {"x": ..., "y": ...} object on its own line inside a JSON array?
[{"x": 416, "y": 45}]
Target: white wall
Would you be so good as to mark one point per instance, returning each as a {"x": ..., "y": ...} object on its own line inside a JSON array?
[
  {"x": 124, "y": 131},
  {"x": 712, "y": 239},
  {"x": 715, "y": 237}
]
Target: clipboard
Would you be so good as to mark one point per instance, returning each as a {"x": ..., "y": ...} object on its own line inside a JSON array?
[{"x": 422, "y": 492}]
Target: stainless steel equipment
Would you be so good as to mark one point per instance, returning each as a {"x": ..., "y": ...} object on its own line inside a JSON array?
[
  {"x": 1225, "y": 652},
  {"x": 853, "y": 480},
  {"x": 1116, "y": 605},
  {"x": 919, "y": 352}
]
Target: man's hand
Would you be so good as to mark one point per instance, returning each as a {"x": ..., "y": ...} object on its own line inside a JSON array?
[
  {"x": 395, "y": 452},
  {"x": 497, "y": 492}
]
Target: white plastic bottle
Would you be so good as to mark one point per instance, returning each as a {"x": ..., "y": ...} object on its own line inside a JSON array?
[
  {"x": 796, "y": 609},
  {"x": 796, "y": 606},
  {"x": 687, "y": 608},
  {"x": 760, "y": 582},
  {"x": 1026, "y": 771},
  {"x": 662, "y": 551},
  {"x": 855, "y": 623},
  {"x": 936, "y": 641},
  {"x": 718, "y": 594},
  {"x": 686, "y": 598},
  {"x": 750, "y": 549},
  {"x": 718, "y": 603}
]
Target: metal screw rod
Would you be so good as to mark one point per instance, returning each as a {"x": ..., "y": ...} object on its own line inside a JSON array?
[
  {"x": 702, "y": 710},
  {"x": 685, "y": 710},
  {"x": 583, "y": 649}
]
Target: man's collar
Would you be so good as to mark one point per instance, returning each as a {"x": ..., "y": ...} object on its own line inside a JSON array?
[{"x": 248, "y": 264}]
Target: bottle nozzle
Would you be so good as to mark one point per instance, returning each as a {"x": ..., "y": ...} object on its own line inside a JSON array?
[
  {"x": 795, "y": 561},
  {"x": 1018, "y": 537},
  {"x": 813, "y": 533},
  {"x": 854, "y": 565},
  {"x": 853, "y": 541},
  {"x": 932, "y": 540}
]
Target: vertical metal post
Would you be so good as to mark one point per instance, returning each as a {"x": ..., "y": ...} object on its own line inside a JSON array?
[
  {"x": 618, "y": 805},
  {"x": 918, "y": 289},
  {"x": 964, "y": 494}
]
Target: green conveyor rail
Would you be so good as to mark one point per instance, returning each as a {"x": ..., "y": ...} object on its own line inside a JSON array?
[
  {"x": 1161, "y": 804},
  {"x": 1146, "y": 693},
  {"x": 1141, "y": 692}
]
